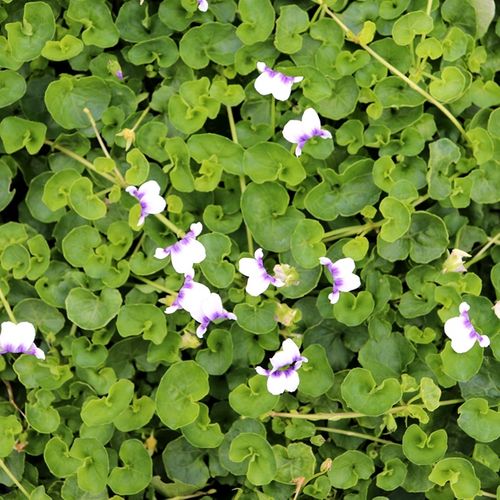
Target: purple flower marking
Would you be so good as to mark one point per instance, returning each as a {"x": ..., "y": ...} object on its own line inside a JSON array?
[
  {"x": 274, "y": 82},
  {"x": 462, "y": 333},
  {"x": 119, "y": 74},
  {"x": 344, "y": 280},
  {"x": 258, "y": 278},
  {"x": 283, "y": 375},
  {"x": 300, "y": 131},
  {"x": 149, "y": 198},
  {"x": 19, "y": 339},
  {"x": 185, "y": 252}
]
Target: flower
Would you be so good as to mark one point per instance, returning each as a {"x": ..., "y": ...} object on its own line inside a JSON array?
[
  {"x": 461, "y": 332},
  {"x": 275, "y": 83},
  {"x": 185, "y": 252},
  {"x": 283, "y": 375},
  {"x": 300, "y": 131},
  {"x": 19, "y": 338},
  {"x": 258, "y": 278},
  {"x": 202, "y": 5},
  {"x": 149, "y": 197},
  {"x": 454, "y": 262},
  {"x": 344, "y": 280},
  {"x": 129, "y": 136},
  {"x": 203, "y": 305}
]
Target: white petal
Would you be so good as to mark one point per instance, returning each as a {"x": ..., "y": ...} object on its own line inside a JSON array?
[
  {"x": 484, "y": 340},
  {"x": 248, "y": 266},
  {"x": 455, "y": 328},
  {"x": 462, "y": 344},
  {"x": 264, "y": 84},
  {"x": 291, "y": 381},
  {"x": 196, "y": 227},
  {"x": 182, "y": 262},
  {"x": 256, "y": 285},
  {"x": 276, "y": 383},
  {"x": 334, "y": 297},
  {"x": 286, "y": 356},
  {"x": 297, "y": 79},
  {"x": 171, "y": 309},
  {"x": 261, "y": 371},
  {"x": 154, "y": 204},
  {"x": 290, "y": 347},
  {"x": 310, "y": 121},
  {"x": 202, "y": 5},
  {"x": 293, "y": 131},
  {"x": 345, "y": 266},
  {"x": 212, "y": 306},
  {"x": 349, "y": 282},
  {"x": 281, "y": 91},
  {"x": 325, "y": 261},
  {"x": 261, "y": 66},
  {"x": 464, "y": 307},
  {"x": 19, "y": 336},
  {"x": 132, "y": 190},
  {"x": 196, "y": 251},
  {"x": 39, "y": 353},
  {"x": 149, "y": 188},
  {"x": 160, "y": 253}
]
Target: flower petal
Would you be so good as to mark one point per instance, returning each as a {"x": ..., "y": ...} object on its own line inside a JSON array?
[
  {"x": 276, "y": 383},
  {"x": 345, "y": 266},
  {"x": 256, "y": 285},
  {"x": 281, "y": 90},
  {"x": 310, "y": 121},
  {"x": 293, "y": 131},
  {"x": 162, "y": 253},
  {"x": 288, "y": 354},
  {"x": 154, "y": 204},
  {"x": 264, "y": 84},
  {"x": 348, "y": 282},
  {"x": 149, "y": 188},
  {"x": 291, "y": 380}
]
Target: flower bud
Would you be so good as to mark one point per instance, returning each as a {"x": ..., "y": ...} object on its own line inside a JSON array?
[
  {"x": 286, "y": 273},
  {"x": 454, "y": 262}
]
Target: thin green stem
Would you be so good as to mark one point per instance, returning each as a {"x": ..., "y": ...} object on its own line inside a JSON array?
[
  {"x": 13, "y": 478},
  {"x": 481, "y": 254},
  {"x": 179, "y": 232},
  {"x": 79, "y": 159},
  {"x": 243, "y": 185},
  {"x": 342, "y": 232},
  {"x": 486, "y": 494},
  {"x": 7, "y": 307},
  {"x": 139, "y": 120},
  {"x": 354, "y": 38},
  {"x": 355, "y": 434},
  {"x": 103, "y": 145},
  {"x": 10, "y": 395},
  {"x": 273, "y": 115},
  {"x": 344, "y": 415},
  {"x": 156, "y": 285}
]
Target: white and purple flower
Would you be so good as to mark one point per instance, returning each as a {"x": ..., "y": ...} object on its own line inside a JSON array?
[
  {"x": 283, "y": 375},
  {"x": 300, "y": 131},
  {"x": 203, "y": 305},
  {"x": 258, "y": 278},
  {"x": 186, "y": 252},
  {"x": 273, "y": 82},
  {"x": 344, "y": 280},
  {"x": 202, "y": 5},
  {"x": 461, "y": 332},
  {"x": 454, "y": 263},
  {"x": 149, "y": 197},
  {"x": 19, "y": 339}
]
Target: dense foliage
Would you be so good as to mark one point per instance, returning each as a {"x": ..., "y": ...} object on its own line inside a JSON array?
[{"x": 125, "y": 124}]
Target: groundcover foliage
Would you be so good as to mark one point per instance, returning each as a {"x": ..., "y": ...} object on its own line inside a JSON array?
[{"x": 366, "y": 174}]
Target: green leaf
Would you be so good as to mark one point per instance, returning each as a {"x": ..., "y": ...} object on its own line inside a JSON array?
[
  {"x": 252, "y": 399},
  {"x": 393, "y": 475},
  {"x": 254, "y": 450},
  {"x": 58, "y": 460},
  {"x": 258, "y": 319},
  {"x": 12, "y": 86},
  {"x": 28, "y": 37},
  {"x": 67, "y": 97},
  {"x": 461, "y": 367},
  {"x": 442, "y": 153},
  {"x": 56, "y": 189},
  {"x": 348, "y": 468},
  {"x": 316, "y": 376},
  {"x": 135, "y": 416},
  {"x": 161, "y": 50},
  {"x": 90, "y": 311},
  {"x": 478, "y": 421},
  {"x": 408, "y": 26},
  {"x": 17, "y": 133},
  {"x": 83, "y": 200},
  {"x": 423, "y": 449},
  {"x": 257, "y": 21},
  {"x": 428, "y": 237},
  {"x": 218, "y": 356},
  {"x": 362, "y": 394},
  {"x": 202, "y": 433},
  {"x": 291, "y": 22},
  {"x": 450, "y": 86},
  {"x": 307, "y": 244},
  {"x": 296, "y": 460},
  {"x": 353, "y": 310},
  {"x": 181, "y": 386},
  {"x": 67, "y": 47},
  {"x": 267, "y": 161},
  {"x": 93, "y": 473},
  {"x": 139, "y": 167},
  {"x": 268, "y": 215},
  {"x": 137, "y": 471},
  {"x": 95, "y": 16},
  {"x": 145, "y": 319},
  {"x": 397, "y": 219},
  {"x": 459, "y": 473},
  {"x": 218, "y": 271}
]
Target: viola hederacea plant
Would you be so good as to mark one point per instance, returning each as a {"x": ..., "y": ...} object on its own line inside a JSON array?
[{"x": 249, "y": 249}]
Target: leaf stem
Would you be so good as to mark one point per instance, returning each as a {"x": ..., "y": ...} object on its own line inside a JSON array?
[
  {"x": 13, "y": 478},
  {"x": 355, "y": 39},
  {"x": 79, "y": 159},
  {"x": 243, "y": 184},
  {"x": 342, "y": 232},
  {"x": 480, "y": 255},
  {"x": 12, "y": 401},
  {"x": 139, "y": 120},
  {"x": 7, "y": 307},
  {"x": 179, "y": 232},
  {"x": 156, "y": 285},
  {"x": 344, "y": 415},
  {"x": 273, "y": 115},
  {"x": 355, "y": 434},
  {"x": 486, "y": 494}
]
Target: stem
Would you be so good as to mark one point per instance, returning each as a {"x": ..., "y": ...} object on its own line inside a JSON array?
[
  {"x": 13, "y": 478},
  {"x": 156, "y": 285},
  {"x": 354, "y": 434},
  {"x": 486, "y": 494},
  {"x": 139, "y": 120},
  {"x": 12, "y": 401},
  {"x": 353, "y": 38},
  {"x": 79, "y": 159},
  {"x": 179, "y": 232},
  {"x": 160, "y": 486},
  {"x": 273, "y": 115},
  {"x": 343, "y": 415},
  {"x": 103, "y": 145},
  {"x": 350, "y": 230},
  {"x": 491, "y": 241},
  {"x": 243, "y": 185},
  {"x": 7, "y": 307}
]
